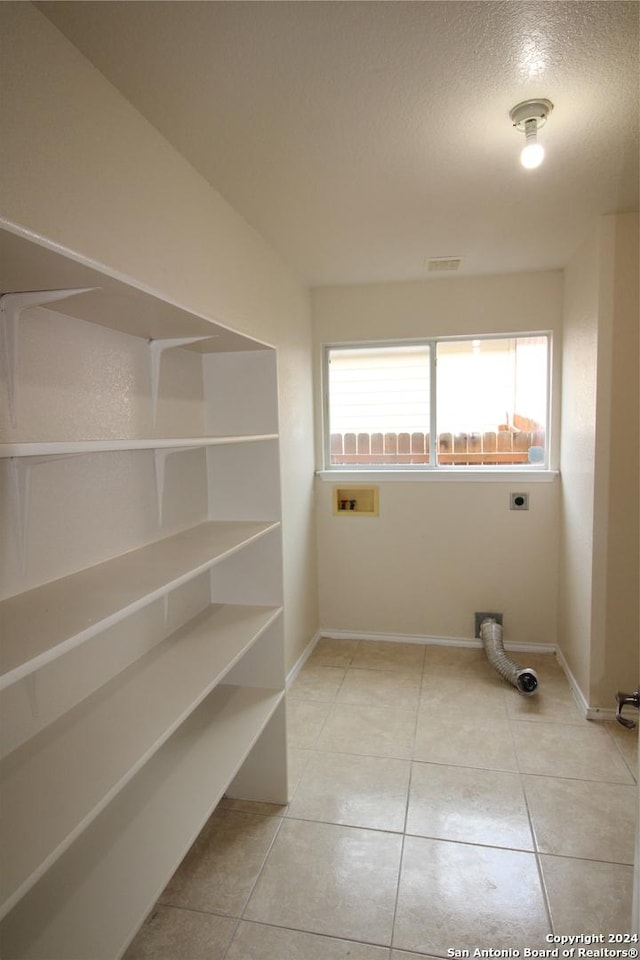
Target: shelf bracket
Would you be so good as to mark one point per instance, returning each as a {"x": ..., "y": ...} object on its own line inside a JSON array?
[
  {"x": 32, "y": 694},
  {"x": 20, "y": 497},
  {"x": 165, "y": 600},
  {"x": 160, "y": 462},
  {"x": 20, "y": 482},
  {"x": 11, "y": 306},
  {"x": 156, "y": 349}
]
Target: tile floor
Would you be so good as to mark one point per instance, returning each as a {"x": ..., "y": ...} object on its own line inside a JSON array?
[{"x": 432, "y": 809}]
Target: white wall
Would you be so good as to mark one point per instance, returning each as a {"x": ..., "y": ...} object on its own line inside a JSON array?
[
  {"x": 599, "y": 565},
  {"x": 577, "y": 441},
  {"x": 82, "y": 168},
  {"x": 440, "y": 549},
  {"x": 618, "y": 661}
]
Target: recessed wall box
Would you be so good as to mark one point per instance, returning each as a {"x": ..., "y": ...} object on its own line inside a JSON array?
[
  {"x": 482, "y": 615},
  {"x": 355, "y": 501}
]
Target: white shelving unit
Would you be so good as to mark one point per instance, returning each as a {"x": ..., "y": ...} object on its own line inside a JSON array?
[{"x": 141, "y": 647}]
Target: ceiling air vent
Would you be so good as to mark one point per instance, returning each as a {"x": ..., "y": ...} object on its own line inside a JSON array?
[{"x": 440, "y": 264}]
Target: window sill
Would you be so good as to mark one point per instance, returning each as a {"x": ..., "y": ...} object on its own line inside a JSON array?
[{"x": 441, "y": 474}]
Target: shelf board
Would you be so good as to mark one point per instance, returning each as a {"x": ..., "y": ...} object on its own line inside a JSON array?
[
  {"x": 58, "y": 782},
  {"x": 92, "y": 900},
  {"x": 47, "y": 621},
  {"x": 30, "y": 263},
  {"x": 67, "y": 447}
]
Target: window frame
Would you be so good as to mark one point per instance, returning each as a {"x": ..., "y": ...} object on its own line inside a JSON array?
[{"x": 433, "y": 467}]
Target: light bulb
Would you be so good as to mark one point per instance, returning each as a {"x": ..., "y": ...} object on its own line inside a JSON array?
[
  {"x": 533, "y": 152},
  {"x": 527, "y": 117},
  {"x": 532, "y": 155}
]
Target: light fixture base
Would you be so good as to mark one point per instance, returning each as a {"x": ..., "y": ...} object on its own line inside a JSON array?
[{"x": 537, "y": 110}]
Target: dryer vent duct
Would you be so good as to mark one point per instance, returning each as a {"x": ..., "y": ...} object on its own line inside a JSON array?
[{"x": 525, "y": 680}]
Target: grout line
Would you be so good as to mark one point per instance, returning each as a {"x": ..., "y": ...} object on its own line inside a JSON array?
[
  {"x": 440, "y": 839},
  {"x": 231, "y": 938},
  {"x": 558, "y": 776},
  {"x": 537, "y": 853},
  {"x": 167, "y": 905},
  {"x": 473, "y": 843},
  {"x": 620, "y": 751},
  {"x": 347, "y": 826},
  {"x": 545, "y": 893},
  {"x": 304, "y": 770},
  {"x": 315, "y": 933},
  {"x": 262, "y": 866},
  {"x": 564, "y": 856},
  {"x": 397, "y": 897}
]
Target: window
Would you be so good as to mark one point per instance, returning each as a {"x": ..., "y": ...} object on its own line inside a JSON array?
[{"x": 439, "y": 403}]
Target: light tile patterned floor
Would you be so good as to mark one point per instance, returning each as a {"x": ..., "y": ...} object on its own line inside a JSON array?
[{"x": 432, "y": 809}]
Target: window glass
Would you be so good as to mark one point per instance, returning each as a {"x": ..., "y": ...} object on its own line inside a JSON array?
[
  {"x": 490, "y": 403},
  {"x": 379, "y": 410}
]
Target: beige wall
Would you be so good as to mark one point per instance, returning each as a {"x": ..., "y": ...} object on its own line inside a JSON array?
[
  {"x": 599, "y": 565},
  {"x": 440, "y": 549},
  {"x": 618, "y": 663},
  {"x": 577, "y": 462},
  {"x": 82, "y": 168}
]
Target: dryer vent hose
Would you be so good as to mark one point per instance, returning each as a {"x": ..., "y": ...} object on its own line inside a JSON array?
[{"x": 524, "y": 680}]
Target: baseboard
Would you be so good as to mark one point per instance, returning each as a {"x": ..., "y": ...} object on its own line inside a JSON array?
[
  {"x": 600, "y": 713},
  {"x": 472, "y": 643},
  {"x": 589, "y": 713},
  {"x": 334, "y": 634},
  {"x": 302, "y": 659}
]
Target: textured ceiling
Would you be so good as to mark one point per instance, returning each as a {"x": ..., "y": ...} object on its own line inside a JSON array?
[{"x": 361, "y": 138}]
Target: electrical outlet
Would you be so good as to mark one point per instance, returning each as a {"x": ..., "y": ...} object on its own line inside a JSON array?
[{"x": 518, "y": 501}]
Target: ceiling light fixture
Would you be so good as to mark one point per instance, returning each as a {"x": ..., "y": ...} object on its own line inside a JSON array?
[{"x": 528, "y": 117}]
